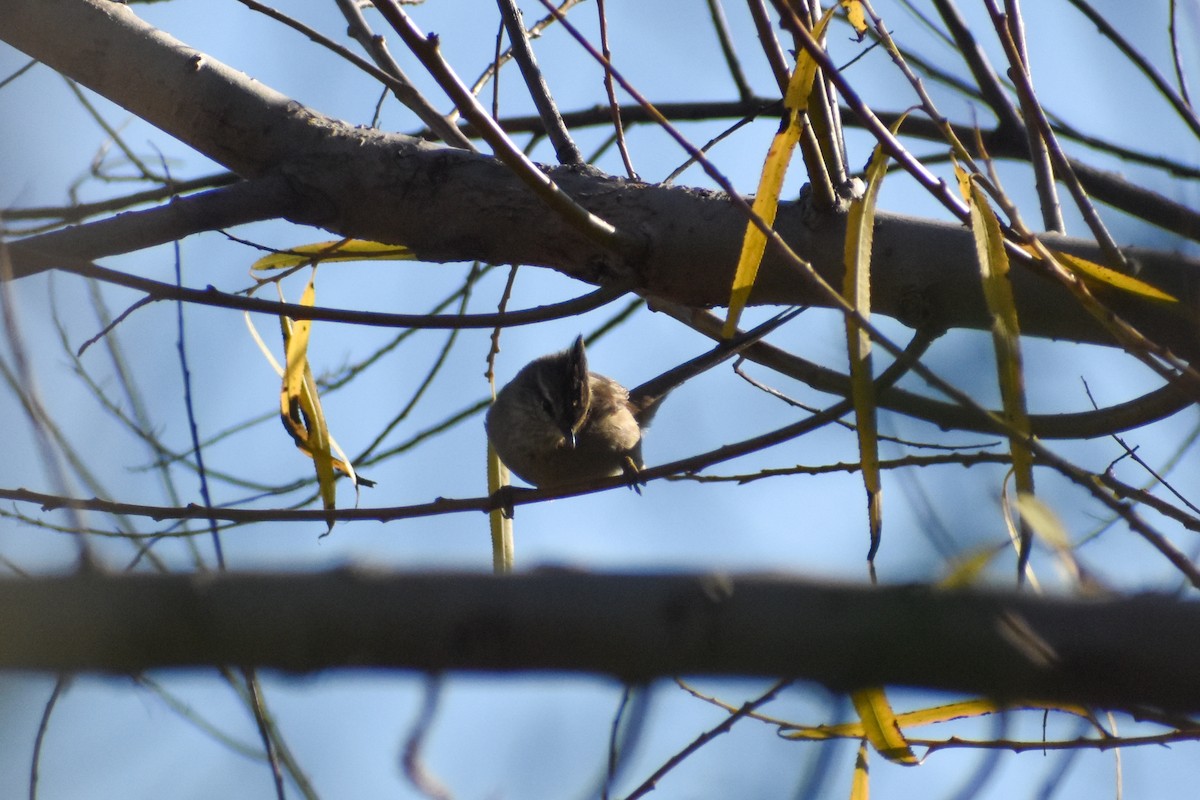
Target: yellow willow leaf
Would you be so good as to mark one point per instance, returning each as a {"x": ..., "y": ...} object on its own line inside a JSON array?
[
  {"x": 300, "y": 404},
  {"x": 856, "y": 15},
  {"x": 860, "y": 784},
  {"x": 979, "y": 708},
  {"x": 341, "y": 463},
  {"x": 1006, "y": 332},
  {"x": 820, "y": 733},
  {"x": 966, "y": 571},
  {"x": 320, "y": 443},
  {"x": 856, "y": 288},
  {"x": 341, "y": 250},
  {"x": 770, "y": 182},
  {"x": 296, "y": 336},
  {"x": 499, "y": 522},
  {"x": 880, "y": 726},
  {"x": 1044, "y": 521},
  {"x": 1049, "y": 528},
  {"x": 1098, "y": 275},
  {"x": 948, "y": 712},
  {"x": 1019, "y": 534},
  {"x": 923, "y": 716}
]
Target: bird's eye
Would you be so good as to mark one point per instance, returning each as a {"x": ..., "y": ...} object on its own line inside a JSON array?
[{"x": 548, "y": 407}]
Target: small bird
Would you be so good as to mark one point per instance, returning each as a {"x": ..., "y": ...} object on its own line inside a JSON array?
[{"x": 557, "y": 423}]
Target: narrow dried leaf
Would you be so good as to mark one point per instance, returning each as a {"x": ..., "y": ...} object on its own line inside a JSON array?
[
  {"x": 300, "y": 404},
  {"x": 880, "y": 726},
  {"x": 947, "y": 712},
  {"x": 297, "y": 333},
  {"x": 966, "y": 571},
  {"x": 1047, "y": 526},
  {"x": 856, "y": 15},
  {"x": 1006, "y": 335},
  {"x": 856, "y": 288},
  {"x": 770, "y": 183},
  {"x": 500, "y": 524},
  {"x": 1044, "y": 521},
  {"x": 1019, "y": 533},
  {"x": 860, "y": 784},
  {"x": 340, "y": 250},
  {"x": 1096, "y": 274}
]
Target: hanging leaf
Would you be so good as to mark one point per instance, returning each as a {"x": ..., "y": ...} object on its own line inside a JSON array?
[
  {"x": 340, "y": 250},
  {"x": 499, "y": 519},
  {"x": 860, "y": 784},
  {"x": 856, "y": 289},
  {"x": 880, "y": 726},
  {"x": 1097, "y": 275},
  {"x": 856, "y": 15},
  {"x": 1006, "y": 338},
  {"x": 770, "y": 183},
  {"x": 300, "y": 404}
]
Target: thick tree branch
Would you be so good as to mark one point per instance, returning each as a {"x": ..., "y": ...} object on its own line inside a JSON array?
[
  {"x": 1127, "y": 653},
  {"x": 453, "y": 206}
]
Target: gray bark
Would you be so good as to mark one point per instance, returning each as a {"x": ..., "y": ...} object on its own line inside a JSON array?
[
  {"x": 1133, "y": 652},
  {"x": 449, "y": 205}
]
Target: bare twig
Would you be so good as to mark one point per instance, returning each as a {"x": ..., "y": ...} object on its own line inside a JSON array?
[
  {"x": 986, "y": 79},
  {"x": 725, "y": 39},
  {"x": 1176, "y": 60},
  {"x": 393, "y": 76},
  {"x": 426, "y": 49},
  {"x": 411, "y": 762},
  {"x": 1062, "y": 166},
  {"x": 1178, "y": 102},
  {"x": 564, "y": 147},
  {"x": 771, "y": 48},
  {"x": 1038, "y": 156},
  {"x": 60, "y": 687},
  {"x": 706, "y": 737},
  {"x": 610, "y": 90}
]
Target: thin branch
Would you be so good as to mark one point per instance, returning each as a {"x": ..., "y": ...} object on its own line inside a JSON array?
[
  {"x": 1062, "y": 165},
  {"x": 564, "y": 147},
  {"x": 78, "y": 212},
  {"x": 1176, "y": 59},
  {"x": 411, "y": 762},
  {"x": 1107, "y": 652},
  {"x": 611, "y": 91},
  {"x": 159, "y": 290},
  {"x": 952, "y": 459},
  {"x": 1125, "y": 491},
  {"x": 394, "y": 77},
  {"x": 427, "y": 50},
  {"x": 1157, "y": 404},
  {"x": 725, "y": 39},
  {"x": 771, "y": 48},
  {"x": 936, "y": 187},
  {"x": 61, "y": 684},
  {"x": 190, "y": 411},
  {"x": 986, "y": 80},
  {"x": 1181, "y": 105},
  {"x": 503, "y": 58},
  {"x": 1039, "y": 157},
  {"x": 390, "y": 75},
  {"x": 254, "y": 694},
  {"x": 1080, "y": 743},
  {"x": 113, "y": 135},
  {"x": 706, "y": 737}
]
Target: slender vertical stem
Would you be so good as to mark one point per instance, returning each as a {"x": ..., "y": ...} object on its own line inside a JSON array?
[
  {"x": 611, "y": 91},
  {"x": 1039, "y": 156},
  {"x": 564, "y": 146}
]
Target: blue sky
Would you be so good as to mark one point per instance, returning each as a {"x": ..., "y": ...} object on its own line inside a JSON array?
[{"x": 536, "y": 736}]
